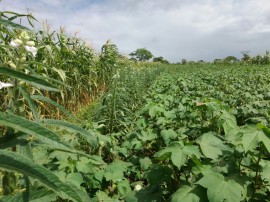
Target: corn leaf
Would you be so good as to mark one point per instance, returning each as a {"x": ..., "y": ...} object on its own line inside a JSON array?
[
  {"x": 15, "y": 162},
  {"x": 9, "y": 23},
  {"x": 33, "y": 80}
]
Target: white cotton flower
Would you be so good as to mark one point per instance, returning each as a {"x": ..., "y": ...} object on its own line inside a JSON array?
[
  {"x": 13, "y": 44},
  {"x": 31, "y": 49},
  {"x": 30, "y": 43},
  {"x": 138, "y": 187},
  {"x": 16, "y": 43},
  {"x": 5, "y": 85}
]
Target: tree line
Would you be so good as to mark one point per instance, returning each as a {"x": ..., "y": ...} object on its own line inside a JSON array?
[{"x": 142, "y": 54}]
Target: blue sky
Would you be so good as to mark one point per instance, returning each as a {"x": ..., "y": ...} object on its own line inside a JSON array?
[{"x": 174, "y": 29}]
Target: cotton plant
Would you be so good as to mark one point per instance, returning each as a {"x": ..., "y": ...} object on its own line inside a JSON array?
[
  {"x": 21, "y": 48},
  {"x": 24, "y": 41}
]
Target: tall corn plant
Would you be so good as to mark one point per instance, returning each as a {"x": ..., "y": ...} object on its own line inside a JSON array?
[
  {"x": 108, "y": 63},
  {"x": 73, "y": 62},
  {"x": 22, "y": 86}
]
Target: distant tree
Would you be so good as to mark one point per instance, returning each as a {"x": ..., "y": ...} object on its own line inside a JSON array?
[
  {"x": 266, "y": 58},
  {"x": 230, "y": 59},
  {"x": 258, "y": 60},
  {"x": 217, "y": 61},
  {"x": 160, "y": 59},
  {"x": 141, "y": 54},
  {"x": 246, "y": 57},
  {"x": 184, "y": 61}
]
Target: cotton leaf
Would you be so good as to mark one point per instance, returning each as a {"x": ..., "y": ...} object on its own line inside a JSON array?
[
  {"x": 185, "y": 194},
  {"x": 220, "y": 189},
  {"x": 211, "y": 146}
]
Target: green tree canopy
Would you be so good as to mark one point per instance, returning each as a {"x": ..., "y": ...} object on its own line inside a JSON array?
[
  {"x": 230, "y": 59},
  {"x": 160, "y": 59},
  {"x": 141, "y": 54}
]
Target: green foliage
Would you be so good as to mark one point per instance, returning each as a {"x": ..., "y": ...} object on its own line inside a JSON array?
[
  {"x": 230, "y": 59},
  {"x": 161, "y": 60},
  {"x": 20, "y": 135},
  {"x": 141, "y": 54},
  {"x": 20, "y": 163},
  {"x": 220, "y": 189},
  {"x": 194, "y": 132},
  {"x": 108, "y": 62}
]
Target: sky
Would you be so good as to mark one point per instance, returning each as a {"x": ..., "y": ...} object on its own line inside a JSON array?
[{"x": 174, "y": 29}]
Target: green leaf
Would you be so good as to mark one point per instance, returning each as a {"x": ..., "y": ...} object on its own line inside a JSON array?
[
  {"x": 145, "y": 163},
  {"x": 26, "y": 126},
  {"x": 148, "y": 135},
  {"x": 168, "y": 135},
  {"x": 115, "y": 170},
  {"x": 35, "y": 196},
  {"x": 12, "y": 161},
  {"x": 211, "y": 146},
  {"x": 91, "y": 139},
  {"x": 159, "y": 174},
  {"x": 252, "y": 137},
  {"x": 184, "y": 194},
  {"x": 178, "y": 157},
  {"x": 265, "y": 129},
  {"x": 58, "y": 106},
  {"x": 149, "y": 194},
  {"x": 96, "y": 160},
  {"x": 84, "y": 167},
  {"x": 230, "y": 127},
  {"x": 9, "y": 23},
  {"x": 266, "y": 170},
  {"x": 141, "y": 123},
  {"x": 123, "y": 187},
  {"x": 11, "y": 140},
  {"x": 191, "y": 150},
  {"x": 34, "y": 81},
  {"x": 102, "y": 196},
  {"x": 60, "y": 147},
  {"x": 30, "y": 102},
  {"x": 75, "y": 178},
  {"x": 265, "y": 141},
  {"x": 220, "y": 189},
  {"x": 155, "y": 111},
  {"x": 170, "y": 114},
  {"x": 173, "y": 152},
  {"x": 61, "y": 73},
  {"x": 45, "y": 135}
]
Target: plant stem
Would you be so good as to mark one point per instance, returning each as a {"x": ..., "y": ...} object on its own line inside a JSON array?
[
  {"x": 257, "y": 173},
  {"x": 112, "y": 108}
]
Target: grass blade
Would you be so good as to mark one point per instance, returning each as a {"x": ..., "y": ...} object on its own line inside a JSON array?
[
  {"x": 26, "y": 126},
  {"x": 12, "y": 161},
  {"x": 58, "y": 106},
  {"x": 9, "y": 23},
  {"x": 73, "y": 128},
  {"x": 31, "y": 103},
  {"x": 35, "y": 81}
]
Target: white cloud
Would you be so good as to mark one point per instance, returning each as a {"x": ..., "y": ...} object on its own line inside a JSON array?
[{"x": 205, "y": 29}]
